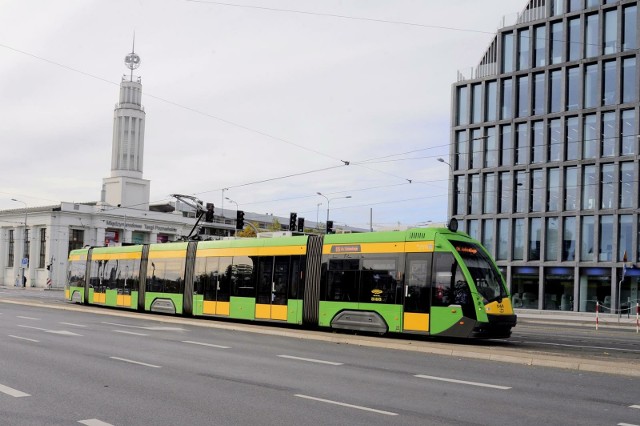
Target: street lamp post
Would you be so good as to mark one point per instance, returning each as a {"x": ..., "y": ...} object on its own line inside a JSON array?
[
  {"x": 25, "y": 236},
  {"x": 318, "y": 214},
  {"x": 329, "y": 201},
  {"x": 237, "y": 207}
]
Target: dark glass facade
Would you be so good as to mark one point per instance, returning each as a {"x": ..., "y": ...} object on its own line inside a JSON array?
[{"x": 545, "y": 154}]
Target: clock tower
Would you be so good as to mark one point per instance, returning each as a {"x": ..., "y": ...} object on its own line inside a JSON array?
[{"x": 126, "y": 187}]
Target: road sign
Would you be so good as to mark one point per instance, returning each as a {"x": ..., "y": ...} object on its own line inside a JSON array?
[{"x": 25, "y": 262}]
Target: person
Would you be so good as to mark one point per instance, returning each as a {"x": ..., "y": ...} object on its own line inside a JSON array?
[{"x": 24, "y": 280}]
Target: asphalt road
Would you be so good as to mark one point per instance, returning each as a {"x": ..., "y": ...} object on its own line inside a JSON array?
[{"x": 99, "y": 367}]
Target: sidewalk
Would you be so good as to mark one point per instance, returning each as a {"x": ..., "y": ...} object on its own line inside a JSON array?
[{"x": 576, "y": 318}]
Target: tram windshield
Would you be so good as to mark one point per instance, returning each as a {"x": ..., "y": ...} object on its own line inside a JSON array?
[{"x": 486, "y": 277}]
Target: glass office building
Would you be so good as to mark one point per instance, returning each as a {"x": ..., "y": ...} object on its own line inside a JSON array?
[{"x": 545, "y": 154}]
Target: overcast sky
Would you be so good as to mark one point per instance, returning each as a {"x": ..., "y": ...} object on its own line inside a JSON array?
[{"x": 240, "y": 92}]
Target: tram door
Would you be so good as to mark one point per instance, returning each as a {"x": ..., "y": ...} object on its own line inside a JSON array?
[
  {"x": 273, "y": 288},
  {"x": 416, "y": 292}
]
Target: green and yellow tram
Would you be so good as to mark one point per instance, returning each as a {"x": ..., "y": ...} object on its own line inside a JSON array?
[{"x": 431, "y": 281}]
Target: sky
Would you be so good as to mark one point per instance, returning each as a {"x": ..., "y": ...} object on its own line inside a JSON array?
[{"x": 263, "y": 102}]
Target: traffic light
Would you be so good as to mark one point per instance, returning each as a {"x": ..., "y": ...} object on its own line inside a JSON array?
[
  {"x": 329, "y": 227},
  {"x": 293, "y": 221},
  {"x": 301, "y": 224},
  {"x": 208, "y": 216},
  {"x": 239, "y": 219}
]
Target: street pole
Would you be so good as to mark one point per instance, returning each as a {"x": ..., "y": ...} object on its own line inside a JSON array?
[
  {"x": 318, "y": 214},
  {"x": 26, "y": 233},
  {"x": 329, "y": 201}
]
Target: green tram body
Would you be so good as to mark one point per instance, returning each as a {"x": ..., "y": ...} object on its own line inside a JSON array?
[{"x": 429, "y": 281}]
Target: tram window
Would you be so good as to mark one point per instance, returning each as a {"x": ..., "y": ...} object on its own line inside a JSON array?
[
  {"x": 378, "y": 280},
  {"x": 127, "y": 276},
  {"x": 167, "y": 276},
  {"x": 449, "y": 285},
  {"x": 223, "y": 288},
  {"x": 77, "y": 273},
  {"x": 342, "y": 280},
  {"x": 206, "y": 277},
  {"x": 242, "y": 277},
  {"x": 296, "y": 277}
]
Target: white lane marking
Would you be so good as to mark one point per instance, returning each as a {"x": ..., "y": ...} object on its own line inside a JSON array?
[
  {"x": 635, "y": 406},
  {"x": 24, "y": 338},
  {"x": 12, "y": 392},
  {"x": 626, "y": 424},
  {"x": 211, "y": 345},
  {"x": 357, "y": 407},
  {"x": 129, "y": 332},
  {"x": 318, "y": 361},
  {"x": 94, "y": 422},
  {"x": 72, "y": 324},
  {"x": 463, "y": 382},
  {"x": 62, "y": 332},
  {"x": 151, "y": 328},
  {"x": 29, "y": 318},
  {"x": 134, "y": 362}
]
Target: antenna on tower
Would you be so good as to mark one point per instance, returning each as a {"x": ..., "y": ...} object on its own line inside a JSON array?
[{"x": 132, "y": 60}]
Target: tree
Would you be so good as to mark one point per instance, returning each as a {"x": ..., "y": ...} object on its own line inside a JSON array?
[
  {"x": 275, "y": 225},
  {"x": 247, "y": 232}
]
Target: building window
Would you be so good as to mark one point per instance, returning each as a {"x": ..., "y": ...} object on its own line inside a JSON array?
[
  {"x": 591, "y": 42},
  {"x": 606, "y": 238},
  {"x": 630, "y": 24},
  {"x": 571, "y": 188},
  {"x": 518, "y": 239},
  {"x": 461, "y": 195},
  {"x": 476, "y": 103},
  {"x": 553, "y": 190},
  {"x": 556, "y": 91},
  {"x": 522, "y": 144},
  {"x": 628, "y": 132},
  {"x": 589, "y": 187},
  {"x": 557, "y": 7},
  {"x": 523, "y": 49},
  {"x": 625, "y": 236},
  {"x": 575, "y": 5},
  {"x": 537, "y": 146},
  {"x": 591, "y": 139},
  {"x": 593, "y": 3},
  {"x": 43, "y": 247},
  {"x": 476, "y": 195},
  {"x": 573, "y": 138},
  {"x": 11, "y": 248},
  {"x": 76, "y": 239},
  {"x": 463, "y": 108},
  {"x": 540, "y": 50},
  {"x": 535, "y": 234},
  {"x": 489, "y": 193},
  {"x": 610, "y": 31},
  {"x": 505, "y": 101},
  {"x": 503, "y": 239},
  {"x": 626, "y": 185},
  {"x": 487, "y": 235},
  {"x": 573, "y": 88},
  {"x": 521, "y": 192},
  {"x": 587, "y": 238},
  {"x": 461, "y": 162},
  {"x": 506, "y": 192},
  {"x": 555, "y": 140},
  {"x": 536, "y": 200},
  {"x": 507, "y": 52},
  {"x": 569, "y": 239},
  {"x": 608, "y": 134},
  {"x": 491, "y": 148},
  {"x": 608, "y": 187},
  {"x": 473, "y": 230},
  {"x": 629, "y": 80},
  {"x": 551, "y": 239},
  {"x": 491, "y": 101},
  {"x": 523, "y": 96},
  {"x": 575, "y": 43},
  {"x": 27, "y": 245},
  {"x": 506, "y": 145},
  {"x": 557, "y": 42},
  {"x": 476, "y": 149},
  {"x": 538, "y": 93},
  {"x": 590, "y": 88},
  {"x": 610, "y": 82}
]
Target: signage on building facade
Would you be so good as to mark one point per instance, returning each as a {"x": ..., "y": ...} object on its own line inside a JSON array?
[{"x": 132, "y": 225}]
